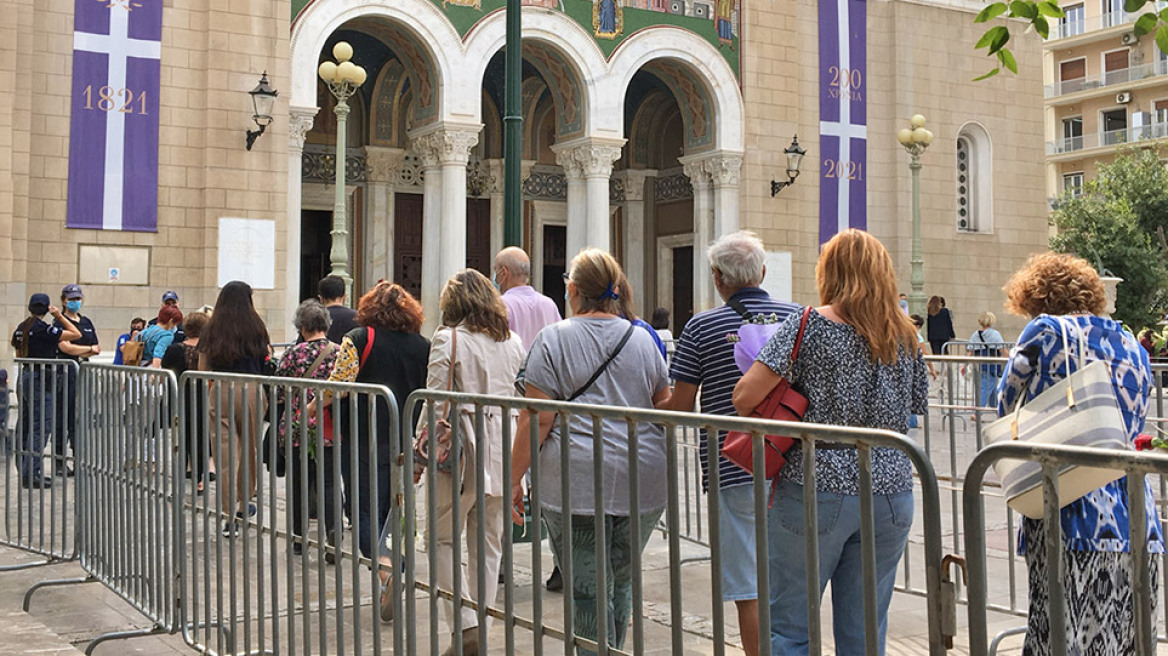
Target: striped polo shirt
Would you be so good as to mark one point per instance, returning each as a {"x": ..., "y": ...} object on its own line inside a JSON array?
[{"x": 705, "y": 357}]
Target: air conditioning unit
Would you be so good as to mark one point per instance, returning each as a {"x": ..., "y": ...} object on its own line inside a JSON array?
[
  {"x": 701, "y": 10},
  {"x": 677, "y": 7},
  {"x": 1123, "y": 97},
  {"x": 1129, "y": 39}
]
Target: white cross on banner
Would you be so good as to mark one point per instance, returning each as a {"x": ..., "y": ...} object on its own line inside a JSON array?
[
  {"x": 843, "y": 116},
  {"x": 113, "y": 147}
]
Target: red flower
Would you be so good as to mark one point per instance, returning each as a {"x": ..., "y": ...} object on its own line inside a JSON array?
[{"x": 1144, "y": 442}]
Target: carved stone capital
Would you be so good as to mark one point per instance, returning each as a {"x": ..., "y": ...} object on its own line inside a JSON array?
[
  {"x": 589, "y": 160},
  {"x": 300, "y": 121},
  {"x": 725, "y": 170},
  {"x": 634, "y": 183},
  {"x": 444, "y": 146},
  {"x": 697, "y": 170},
  {"x": 381, "y": 164}
]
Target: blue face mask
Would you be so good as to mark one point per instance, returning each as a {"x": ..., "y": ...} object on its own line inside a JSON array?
[
  {"x": 73, "y": 306},
  {"x": 495, "y": 280}
]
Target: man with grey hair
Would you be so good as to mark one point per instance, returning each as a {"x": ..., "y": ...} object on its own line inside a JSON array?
[
  {"x": 704, "y": 360},
  {"x": 528, "y": 311}
]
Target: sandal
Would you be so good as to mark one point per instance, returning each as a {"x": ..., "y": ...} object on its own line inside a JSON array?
[{"x": 387, "y": 601}]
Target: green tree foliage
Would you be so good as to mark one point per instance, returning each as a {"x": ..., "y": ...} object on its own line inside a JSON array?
[
  {"x": 1120, "y": 224},
  {"x": 1040, "y": 13}
]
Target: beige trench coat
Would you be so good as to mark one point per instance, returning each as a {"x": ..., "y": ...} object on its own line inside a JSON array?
[{"x": 483, "y": 366}]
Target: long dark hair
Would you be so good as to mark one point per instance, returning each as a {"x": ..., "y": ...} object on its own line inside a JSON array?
[{"x": 235, "y": 330}]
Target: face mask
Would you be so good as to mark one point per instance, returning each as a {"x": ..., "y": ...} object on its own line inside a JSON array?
[
  {"x": 495, "y": 279},
  {"x": 73, "y": 306}
]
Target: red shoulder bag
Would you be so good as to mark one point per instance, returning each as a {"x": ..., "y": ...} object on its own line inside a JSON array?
[{"x": 783, "y": 403}]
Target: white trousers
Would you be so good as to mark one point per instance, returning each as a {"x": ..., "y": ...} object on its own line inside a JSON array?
[{"x": 441, "y": 534}]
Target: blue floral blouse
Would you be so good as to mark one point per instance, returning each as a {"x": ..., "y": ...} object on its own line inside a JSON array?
[{"x": 1098, "y": 521}]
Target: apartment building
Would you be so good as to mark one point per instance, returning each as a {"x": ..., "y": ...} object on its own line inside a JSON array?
[{"x": 1104, "y": 87}]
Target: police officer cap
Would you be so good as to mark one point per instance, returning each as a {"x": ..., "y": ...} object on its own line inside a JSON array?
[
  {"x": 170, "y": 296},
  {"x": 38, "y": 303},
  {"x": 71, "y": 292}
]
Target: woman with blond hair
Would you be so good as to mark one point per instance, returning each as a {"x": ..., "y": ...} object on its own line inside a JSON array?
[
  {"x": 986, "y": 342},
  {"x": 859, "y": 365},
  {"x": 474, "y": 351},
  {"x": 1064, "y": 293},
  {"x": 595, "y": 357}
]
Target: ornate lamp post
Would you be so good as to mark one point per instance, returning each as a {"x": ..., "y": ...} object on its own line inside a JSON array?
[
  {"x": 915, "y": 140},
  {"x": 343, "y": 78}
]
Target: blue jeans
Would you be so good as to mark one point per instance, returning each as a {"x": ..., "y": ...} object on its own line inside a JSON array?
[
  {"x": 989, "y": 390},
  {"x": 839, "y": 562},
  {"x": 36, "y": 421}
]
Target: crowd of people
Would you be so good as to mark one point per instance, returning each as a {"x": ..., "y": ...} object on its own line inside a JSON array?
[{"x": 857, "y": 356}]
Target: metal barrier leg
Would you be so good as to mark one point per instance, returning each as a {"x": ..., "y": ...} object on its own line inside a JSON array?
[
  {"x": 49, "y": 560},
  {"x": 123, "y": 635},
  {"x": 1021, "y": 630},
  {"x": 53, "y": 583}
]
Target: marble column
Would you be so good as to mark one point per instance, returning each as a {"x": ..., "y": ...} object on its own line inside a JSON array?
[
  {"x": 634, "y": 259},
  {"x": 381, "y": 165},
  {"x": 725, "y": 170},
  {"x": 588, "y": 165},
  {"x": 494, "y": 171},
  {"x": 426, "y": 149},
  {"x": 576, "y": 237},
  {"x": 444, "y": 217},
  {"x": 299, "y": 123},
  {"x": 698, "y": 170}
]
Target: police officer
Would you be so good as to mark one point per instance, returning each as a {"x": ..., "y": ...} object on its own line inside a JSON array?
[
  {"x": 171, "y": 299},
  {"x": 77, "y": 350},
  {"x": 34, "y": 338}
]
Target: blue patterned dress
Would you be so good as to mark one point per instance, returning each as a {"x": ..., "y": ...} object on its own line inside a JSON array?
[
  {"x": 1098, "y": 521},
  {"x": 1096, "y": 562}
]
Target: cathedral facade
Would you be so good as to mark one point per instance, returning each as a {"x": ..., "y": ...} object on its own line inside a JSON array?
[{"x": 650, "y": 127}]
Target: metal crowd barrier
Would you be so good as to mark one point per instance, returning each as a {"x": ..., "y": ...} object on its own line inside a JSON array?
[
  {"x": 951, "y": 435},
  {"x": 522, "y": 605},
  {"x": 39, "y": 519},
  {"x": 1053, "y": 458},
  {"x": 252, "y": 582}
]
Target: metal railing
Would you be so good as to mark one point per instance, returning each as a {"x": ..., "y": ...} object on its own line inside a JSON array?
[
  {"x": 266, "y": 584},
  {"x": 604, "y": 424},
  {"x": 256, "y": 579},
  {"x": 1068, "y": 28},
  {"x": 38, "y": 512},
  {"x": 1053, "y": 458},
  {"x": 1110, "y": 138}
]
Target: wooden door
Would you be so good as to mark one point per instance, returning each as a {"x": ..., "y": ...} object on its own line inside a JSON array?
[
  {"x": 478, "y": 236},
  {"x": 555, "y": 263},
  {"x": 407, "y": 242},
  {"x": 683, "y": 282}
]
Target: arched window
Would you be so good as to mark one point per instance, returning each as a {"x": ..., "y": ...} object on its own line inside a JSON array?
[{"x": 974, "y": 180}]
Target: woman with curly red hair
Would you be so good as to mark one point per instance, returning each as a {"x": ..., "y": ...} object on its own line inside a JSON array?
[
  {"x": 386, "y": 349},
  {"x": 1064, "y": 293}
]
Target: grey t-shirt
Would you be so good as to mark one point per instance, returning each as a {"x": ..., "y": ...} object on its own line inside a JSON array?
[{"x": 563, "y": 357}]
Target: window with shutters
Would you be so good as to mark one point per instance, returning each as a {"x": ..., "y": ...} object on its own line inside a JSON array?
[
  {"x": 1072, "y": 75},
  {"x": 1116, "y": 67},
  {"x": 974, "y": 180}
]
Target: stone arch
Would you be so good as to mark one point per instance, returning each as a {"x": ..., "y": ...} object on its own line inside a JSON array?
[
  {"x": 695, "y": 71},
  {"x": 974, "y": 172},
  {"x": 387, "y": 107},
  {"x": 416, "y": 24},
  {"x": 560, "y": 49},
  {"x": 640, "y": 129}
]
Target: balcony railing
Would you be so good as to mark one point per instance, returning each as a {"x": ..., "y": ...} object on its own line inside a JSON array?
[
  {"x": 1109, "y": 138},
  {"x": 1109, "y": 79},
  {"x": 1066, "y": 28}
]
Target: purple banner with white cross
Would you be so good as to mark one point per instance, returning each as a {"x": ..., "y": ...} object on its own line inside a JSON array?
[
  {"x": 113, "y": 132},
  {"x": 843, "y": 116}
]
